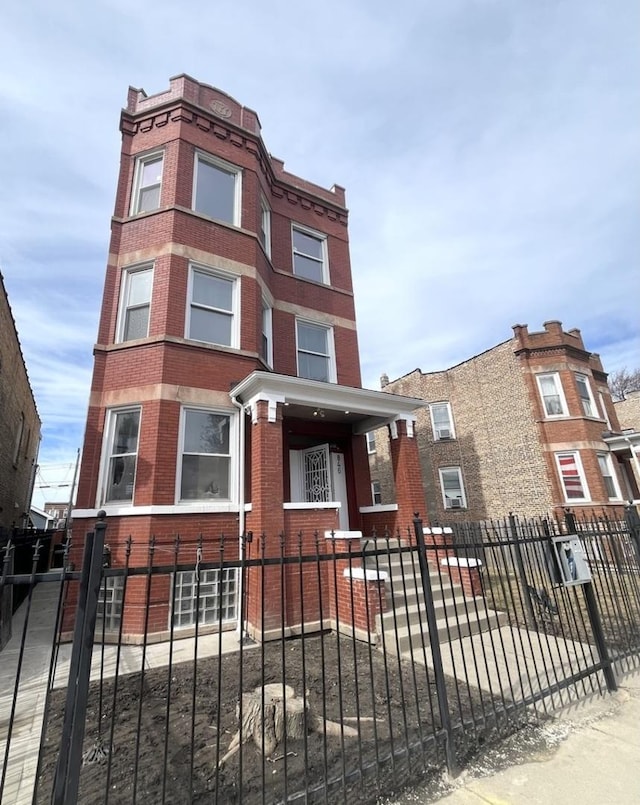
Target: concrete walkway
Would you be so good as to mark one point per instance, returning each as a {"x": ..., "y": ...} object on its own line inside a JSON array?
[{"x": 589, "y": 755}]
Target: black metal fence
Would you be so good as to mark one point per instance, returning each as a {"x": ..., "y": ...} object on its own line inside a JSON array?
[{"x": 305, "y": 668}]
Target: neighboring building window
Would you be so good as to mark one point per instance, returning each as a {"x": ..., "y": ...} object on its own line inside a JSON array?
[
  {"x": 206, "y": 456},
  {"x": 122, "y": 455},
  {"x": 315, "y": 352},
  {"x": 135, "y": 303},
  {"x": 371, "y": 442},
  {"x": 216, "y": 189},
  {"x": 574, "y": 483},
  {"x": 608, "y": 476},
  {"x": 147, "y": 184},
  {"x": 452, "y": 488},
  {"x": 266, "y": 346},
  {"x": 376, "y": 493},
  {"x": 586, "y": 398},
  {"x": 18, "y": 442},
  {"x": 442, "y": 421},
  {"x": 211, "y": 316},
  {"x": 212, "y": 601},
  {"x": 265, "y": 227},
  {"x": 309, "y": 255},
  {"x": 552, "y": 394}
]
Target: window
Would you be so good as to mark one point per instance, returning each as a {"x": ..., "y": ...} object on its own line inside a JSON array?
[
  {"x": 371, "y": 442},
  {"x": 135, "y": 303},
  {"x": 552, "y": 395},
  {"x": 574, "y": 483},
  {"x": 122, "y": 454},
  {"x": 211, "y": 316},
  {"x": 605, "y": 412},
  {"x": 266, "y": 348},
  {"x": 206, "y": 456},
  {"x": 265, "y": 227},
  {"x": 216, "y": 189},
  {"x": 452, "y": 488},
  {"x": 315, "y": 352},
  {"x": 376, "y": 493},
  {"x": 608, "y": 476},
  {"x": 213, "y": 601},
  {"x": 309, "y": 255},
  {"x": 147, "y": 184},
  {"x": 441, "y": 421},
  {"x": 110, "y": 602},
  {"x": 584, "y": 392}
]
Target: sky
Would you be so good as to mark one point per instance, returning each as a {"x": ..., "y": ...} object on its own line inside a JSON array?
[{"x": 490, "y": 150}]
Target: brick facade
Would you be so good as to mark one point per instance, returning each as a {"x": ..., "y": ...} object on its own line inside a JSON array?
[{"x": 502, "y": 440}]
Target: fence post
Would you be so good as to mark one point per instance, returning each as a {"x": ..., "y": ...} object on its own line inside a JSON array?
[
  {"x": 633, "y": 524},
  {"x": 67, "y": 775},
  {"x": 594, "y": 614},
  {"x": 438, "y": 670},
  {"x": 524, "y": 585}
]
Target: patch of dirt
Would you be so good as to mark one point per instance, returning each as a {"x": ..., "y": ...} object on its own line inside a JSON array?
[{"x": 171, "y": 727}]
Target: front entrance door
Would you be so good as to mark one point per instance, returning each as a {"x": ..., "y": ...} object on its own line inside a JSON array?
[{"x": 318, "y": 476}]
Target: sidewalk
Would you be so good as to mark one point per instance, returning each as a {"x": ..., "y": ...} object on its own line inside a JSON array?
[{"x": 588, "y": 756}]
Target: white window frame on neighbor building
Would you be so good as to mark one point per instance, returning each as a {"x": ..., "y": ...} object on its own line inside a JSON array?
[
  {"x": 328, "y": 355},
  {"x": 264, "y": 233},
  {"x": 111, "y": 455},
  {"x": 442, "y": 430},
  {"x": 609, "y": 476},
  {"x": 376, "y": 493},
  {"x": 554, "y": 377},
  {"x": 214, "y": 493},
  {"x": 447, "y": 500},
  {"x": 235, "y": 212},
  {"x": 128, "y": 305},
  {"x": 574, "y": 474},
  {"x": 218, "y": 589},
  {"x": 371, "y": 442},
  {"x": 228, "y": 314},
  {"x": 266, "y": 342},
  {"x": 586, "y": 395},
  {"x": 319, "y": 262},
  {"x": 143, "y": 162}
]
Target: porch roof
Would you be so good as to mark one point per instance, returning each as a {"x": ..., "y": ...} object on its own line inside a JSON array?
[
  {"x": 365, "y": 409},
  {"x": 623, "y": 441}
]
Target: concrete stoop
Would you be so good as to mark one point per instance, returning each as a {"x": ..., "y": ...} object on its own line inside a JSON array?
[{"x": 403, "y": 627}]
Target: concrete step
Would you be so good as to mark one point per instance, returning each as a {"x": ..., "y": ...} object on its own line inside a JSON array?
[{"x": 414, "y": 613}]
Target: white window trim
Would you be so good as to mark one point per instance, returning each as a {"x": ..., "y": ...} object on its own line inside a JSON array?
[
  {"x": 371, "y": 443},
  {"x": 265, "y": 218},
  {"x": 594, "y": 407},
  {"x": 581, "y": 475},
  {"x": 560, "y": 390},
  {"x": 603, "y": 406},
  {"x": 463, "y": 494},
  {"x": 105, "y": 455},
  {"x": 141, "y": 161},
  {"x": 235, "y": 303},
  {"x": 436, "y": 433},
  {"x": 230, "y": 168},
  {"x": 125, "y": 278},
  {"x": 233, "y": 481},
  {"x": 375, "y": 484},
  {"x": 612, "y": 473},
  {"x": 325, "y": 252},
  {"x": 330, "y": 346},
  {"x": 268, "y": 320}
]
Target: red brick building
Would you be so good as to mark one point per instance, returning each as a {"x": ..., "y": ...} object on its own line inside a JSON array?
[{"x": 226, "y": 391}]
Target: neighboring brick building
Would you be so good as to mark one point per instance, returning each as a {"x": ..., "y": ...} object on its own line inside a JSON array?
[
  {"x": 226, "y": 392},
  {"x": 19, "y": 426},
  {"x": 628, "y": 411},
  {"x": 527, "y": 427}
]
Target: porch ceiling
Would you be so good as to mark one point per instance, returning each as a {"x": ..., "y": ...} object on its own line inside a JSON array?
[{"x": 364, "y": 409}]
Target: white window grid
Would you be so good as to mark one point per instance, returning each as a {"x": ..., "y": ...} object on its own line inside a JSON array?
[
  {"x": 452, "y": 486},
  {"x": 322, "y": 261},
  {"x": 225, "y": 167},
  {"x": 603, "y": 406},
  {"x": 554, "y": 403},
  {"x": 585, "y": 394},
  {"x": 232, "y": 313},
  {"x": 329, "y": 355},
  {"x": 228, "y": 456},
  {"x": 371, "y": 442},
  {"x": 264, "y": 233},
  {"x": 215, "y": 601},
  {"x": 139, "y": 189},
  {"x": 266, "y": 344},
  {"x": 127, "y": 305},
  {"x": 110, "y": 598},
  {"x": 442, "y": 421},
  {"x": 376, "y": 493},
  {"x": 572, "y": 477},
  {"x": 609, "y": 476},
  {"x": 109, "y": 455}
]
